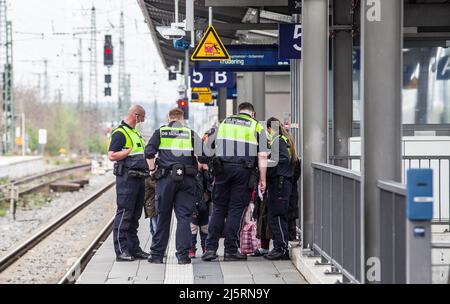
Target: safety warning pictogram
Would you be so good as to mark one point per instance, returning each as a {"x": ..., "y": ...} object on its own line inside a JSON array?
[{"x": 210, "y": 47}]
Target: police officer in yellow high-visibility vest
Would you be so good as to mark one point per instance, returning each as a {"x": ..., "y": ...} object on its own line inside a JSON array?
[
  {"x": 176, "y": 148},
  {"x": 127, "y": 150},
  {"x": 240, "y": 147}
]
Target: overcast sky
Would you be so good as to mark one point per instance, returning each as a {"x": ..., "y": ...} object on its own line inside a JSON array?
[{"x": 44, "y": 30}]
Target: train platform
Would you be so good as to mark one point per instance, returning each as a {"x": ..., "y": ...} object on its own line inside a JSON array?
[
  {"x": 19, "y": 166},
  {"x": 103, "y": 268}
]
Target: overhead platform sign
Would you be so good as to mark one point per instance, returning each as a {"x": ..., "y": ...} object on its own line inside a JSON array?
[
  {"x": 210, "y": 47},
  {"x": 231, "y": 93},
  {"x": 216, "y": 79},
  {"x": 248, "y": 58},
  {"x": 290, "y": 41}
]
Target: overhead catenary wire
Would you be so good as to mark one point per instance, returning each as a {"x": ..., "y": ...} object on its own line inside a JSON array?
[{"x": 70, "y": 35}]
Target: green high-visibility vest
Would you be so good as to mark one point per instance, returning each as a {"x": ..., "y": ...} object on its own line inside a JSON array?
[
  {"x": 240, "y": 128},
  {"x": 133, "y": 139},
  {"x": 175, "y": 138},
  {"x": 270, "y": 137},
  {"x": 286, "y": 140}
]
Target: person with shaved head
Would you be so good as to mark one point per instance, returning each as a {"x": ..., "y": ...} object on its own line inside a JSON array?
[{"x": 127, "y": 151}]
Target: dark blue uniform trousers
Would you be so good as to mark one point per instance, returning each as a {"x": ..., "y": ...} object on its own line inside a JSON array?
[
  {"x": 130, "y": 202},
  {"x": 231, "y": 195},
  {"x": 277, "y": 207},
  {"x": 180, "y": 197}
]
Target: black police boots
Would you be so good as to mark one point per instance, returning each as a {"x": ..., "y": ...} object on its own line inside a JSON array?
[
  {"x": 184, "y": 261},
  {"x": 155, "y": 260},
  {"x": 234, "y": 257},
  {"x": 141, "y": 255},
  {"x": 275, "y": 255},
  {"x": 209, "y": 255},
  {"x": 124, "y": 257}
]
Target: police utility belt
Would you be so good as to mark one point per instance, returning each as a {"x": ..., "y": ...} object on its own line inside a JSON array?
[
  {"x": 216, "y": 168},
  {"x": 177, "y": 172},
  {"x": 279, "y": 181},
  {"x": 120, "y": 169},
  {"x": 216, "y": 165}
]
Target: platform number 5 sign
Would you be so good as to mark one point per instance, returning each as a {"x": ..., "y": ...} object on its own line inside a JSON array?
[{"x": 290, "y": 41}]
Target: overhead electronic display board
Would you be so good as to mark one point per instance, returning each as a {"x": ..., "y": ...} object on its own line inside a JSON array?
[{"x": 248, "y": 58}]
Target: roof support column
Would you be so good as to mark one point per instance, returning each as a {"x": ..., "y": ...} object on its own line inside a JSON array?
[
  {"x": 186, "y": 73},
  {"x": 342, "y": 79},
  {"x": 314, "y": 102},
  {"x": 295, "y": 76},
  {"x": 381, "y": 89},
  {"x": 222, "y": 103},
  {"x": 259, "y": 94},
  {"x": 251, "y": 87}
]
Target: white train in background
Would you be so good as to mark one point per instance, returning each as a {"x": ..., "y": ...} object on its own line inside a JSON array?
[{"x": 422, "y": 152}]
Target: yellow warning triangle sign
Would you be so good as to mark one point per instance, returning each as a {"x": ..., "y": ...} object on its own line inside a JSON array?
[{"x": 210, "y": 47}]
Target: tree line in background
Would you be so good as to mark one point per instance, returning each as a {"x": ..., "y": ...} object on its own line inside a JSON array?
[{"x": 70, "y": 128}]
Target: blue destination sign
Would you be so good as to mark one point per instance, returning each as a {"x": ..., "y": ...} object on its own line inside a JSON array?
[
  {"x": 248, "y": 58},
  {"x": 206, "y": 79},
  {"x": 356, "y": 59},
  {"x": 231, "y": 93}
]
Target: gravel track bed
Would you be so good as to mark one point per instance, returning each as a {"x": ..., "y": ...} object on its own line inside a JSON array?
[
  {"x": 49, "y": 260},
  {"x": 29, "y": 220}
]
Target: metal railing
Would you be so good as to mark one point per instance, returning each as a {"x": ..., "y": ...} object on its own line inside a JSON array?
[
  {"x": 338, "y": 229},
  {"x": 392, "y": 232},
  {"x": 441, "y": 177},
  {"x": 338, "y": 219}
]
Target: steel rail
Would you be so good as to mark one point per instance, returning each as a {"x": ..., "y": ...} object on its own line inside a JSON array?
[
  {"x": 37, "y": 176},
  {"x": 71, "y": 276},
  {"x": 59, "y": 170},
  {"x": 44, "y": 232}
]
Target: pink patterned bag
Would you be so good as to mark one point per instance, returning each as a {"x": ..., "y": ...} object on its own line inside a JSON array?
[{"x": 249, "y": 242}]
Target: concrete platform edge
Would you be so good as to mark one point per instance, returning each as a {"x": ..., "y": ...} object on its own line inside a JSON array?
[{"x": 312, "y": 273}]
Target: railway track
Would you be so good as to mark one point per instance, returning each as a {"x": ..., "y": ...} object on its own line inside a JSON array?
[
  {"x": 77, "y": 268},
  {"x": 41, "y": 180},
  {"x": 18, "y": 252}
]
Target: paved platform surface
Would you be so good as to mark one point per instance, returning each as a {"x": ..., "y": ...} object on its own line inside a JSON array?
[
  {"x": 103, "y": 269},
  {"x": 18, "y": 166},
  {"x": 8, "y": 160}
]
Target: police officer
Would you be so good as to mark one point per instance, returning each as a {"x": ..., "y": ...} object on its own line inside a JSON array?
[
  {"x": 279, "y": 186},
  {"x": 127, "y": 150},
  {"x": 174, "y": 171},
  {"x": 241, "y": 147}
]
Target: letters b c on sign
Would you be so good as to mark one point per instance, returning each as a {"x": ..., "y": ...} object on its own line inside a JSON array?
[
  {"x": 206, "y": 79},
  {"x": 200, "y": 80}
]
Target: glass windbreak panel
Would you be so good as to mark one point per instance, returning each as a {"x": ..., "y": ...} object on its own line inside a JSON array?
[
  {"x": 426, "y": 86},
  {"x": 356, "y": 83}
]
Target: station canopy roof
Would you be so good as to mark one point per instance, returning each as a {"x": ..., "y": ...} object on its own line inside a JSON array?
[
  {"x": 426, "y": 22},
  {"x": 234, "y": 24}
]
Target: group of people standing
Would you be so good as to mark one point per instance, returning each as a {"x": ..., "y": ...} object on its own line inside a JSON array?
[{"x": 187, "y": 174}]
